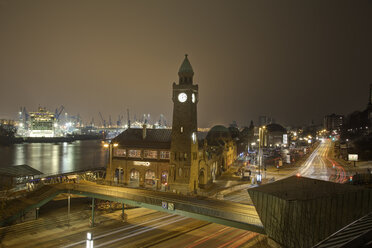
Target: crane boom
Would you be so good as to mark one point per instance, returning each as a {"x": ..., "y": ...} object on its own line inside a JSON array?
[{"x": 103, "y": 120}]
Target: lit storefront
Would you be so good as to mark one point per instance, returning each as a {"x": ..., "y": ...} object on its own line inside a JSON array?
[{"x": 142, "y": 161}]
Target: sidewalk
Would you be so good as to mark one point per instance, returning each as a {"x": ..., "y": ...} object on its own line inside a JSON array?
[{"x": 361, "y": 167}]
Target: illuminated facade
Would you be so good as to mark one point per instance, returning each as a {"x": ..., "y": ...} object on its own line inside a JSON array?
[
  {"x": 184, "y": 144},
  {"x": 42, "y": 123},
  {"x": 180, "y": 159},
  {"x": 333, "y": 122}
]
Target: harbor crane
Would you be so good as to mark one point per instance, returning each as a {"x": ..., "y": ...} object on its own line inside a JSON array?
[
  {"x": 58, "y": 112},
  {"x": 103, "y": 120}
]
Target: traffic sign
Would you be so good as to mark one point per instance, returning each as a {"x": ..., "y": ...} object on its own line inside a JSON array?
[
  {"x": 171, "y": 206},
  {"x": 353, "y": 157}
]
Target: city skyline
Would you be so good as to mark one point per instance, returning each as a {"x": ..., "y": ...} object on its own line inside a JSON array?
[{"x": 291, "y": 61}]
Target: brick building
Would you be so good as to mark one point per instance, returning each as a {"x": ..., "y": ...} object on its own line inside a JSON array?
[{"x": 181, "y": 159}]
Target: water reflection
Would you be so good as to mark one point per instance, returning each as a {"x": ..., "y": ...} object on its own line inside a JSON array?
[{"x": 56, "y": 158}]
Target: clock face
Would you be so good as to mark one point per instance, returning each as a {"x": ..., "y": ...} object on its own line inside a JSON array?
[
  {"x": 182, "y": 97},
  {"x": 193, "y": 97}
]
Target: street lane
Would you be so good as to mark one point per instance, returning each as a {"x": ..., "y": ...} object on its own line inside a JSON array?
[
  {"x": 144, "y": 228},
  {"x": 320, "y": 166}
]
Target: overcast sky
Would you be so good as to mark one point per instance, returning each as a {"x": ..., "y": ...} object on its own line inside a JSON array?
[{"x": 293, "y": 60}]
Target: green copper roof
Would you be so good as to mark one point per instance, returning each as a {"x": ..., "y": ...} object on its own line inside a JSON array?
[{"x": 186, "y": 66}]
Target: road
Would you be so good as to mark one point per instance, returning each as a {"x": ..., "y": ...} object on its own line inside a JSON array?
[
  {"x": 320, "y": 166},
  {"x": 143, "y": 228}
]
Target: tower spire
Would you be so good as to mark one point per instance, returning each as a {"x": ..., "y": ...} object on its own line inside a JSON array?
[{"x": 186, "y": 72}]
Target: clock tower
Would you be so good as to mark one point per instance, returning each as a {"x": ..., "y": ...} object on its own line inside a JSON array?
[{"x": 184, "y": 142}]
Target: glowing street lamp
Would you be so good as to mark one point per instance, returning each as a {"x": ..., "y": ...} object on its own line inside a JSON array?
[
  {"x": 110, "y": 146},
  {"x": 261, "y": 143}
]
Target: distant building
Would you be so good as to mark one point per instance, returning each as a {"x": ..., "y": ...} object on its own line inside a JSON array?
[
  {"x": 265, "y": 120},
  {"x": 333, "y": 122},
  {"x": 248, "y": 138},
  {"x": 7, "y": 122},
  {"x": 359, "y": 122},
  {"x": 181, "y": 159},
  {"x": 275, "y": 134}
]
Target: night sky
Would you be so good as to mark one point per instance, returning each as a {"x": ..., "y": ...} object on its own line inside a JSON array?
[{"x": 293, "y": 60}]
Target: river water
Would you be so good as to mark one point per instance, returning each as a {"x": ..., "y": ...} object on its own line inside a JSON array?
[{"x": 55, "y": 158}]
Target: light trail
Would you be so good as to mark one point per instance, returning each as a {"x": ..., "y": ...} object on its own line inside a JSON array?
[
  {"x": 121, "y": 229},
  {"x": 306, "y": 168},
  {"x": 243, "y": 240},
  {"x": 239, "y": 240},
  {"x": 319, "y": 169},
  {"x": 204, "y": 239},
  {"x": 141, "y": 231}
]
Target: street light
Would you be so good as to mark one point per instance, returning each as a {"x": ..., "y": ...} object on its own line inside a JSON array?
[
  {"x": 109, "y": 169},
  {"x": 261, "y": 143}
]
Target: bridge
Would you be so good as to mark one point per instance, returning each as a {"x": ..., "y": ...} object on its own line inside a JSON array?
[
  {"x": 295, "y": 212},
  {"x": 202, "y": 208}
]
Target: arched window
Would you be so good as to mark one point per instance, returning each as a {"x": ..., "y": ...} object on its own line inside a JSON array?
[
  {"x": 150, "y": 177},
  {"x": 201, "y": 178},
  {"x": 134, "y": 175},
  {"x": 164, "y": 177}
]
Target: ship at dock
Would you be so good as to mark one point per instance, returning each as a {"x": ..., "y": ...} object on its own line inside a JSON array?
[{"x": 45, "y": 126}]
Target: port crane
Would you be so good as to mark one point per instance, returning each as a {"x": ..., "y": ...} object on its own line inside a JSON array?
[
  {"x": 103, "y": 120},
  {"x": 58, "y": 112}
]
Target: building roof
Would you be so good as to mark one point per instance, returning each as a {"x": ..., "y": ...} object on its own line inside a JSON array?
[
  {"x": 155, "y": 138},
  {"x": 218, "y": 135},
  {"x": 186, "y": 67},
  {"x": 219, "y": 128},
  {"x": 19, "y": 171},
  {"x": 303, "y": 188},
  {"x": 275, "y": 128}
]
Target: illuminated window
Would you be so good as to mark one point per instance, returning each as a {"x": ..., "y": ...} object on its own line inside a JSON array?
[
  {"x": 134, "y": 153},
  {"x": 120, "y": 152},
  {"x": 150, "y": 154},
  {"x": 193, "y": 137},
  {"x": 150, "y": 177},
  {"x": 164, "y": 155},
  {"x": 134, "y": 175},
  {"x": 164, "y": 177},
  {"x": 181, "y": 129}
]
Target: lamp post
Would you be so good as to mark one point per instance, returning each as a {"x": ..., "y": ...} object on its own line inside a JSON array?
[
  {"x": 261, "y": 143},
  {"x": 110, "y": 146}
]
